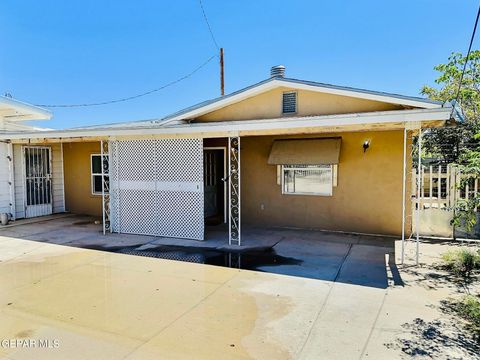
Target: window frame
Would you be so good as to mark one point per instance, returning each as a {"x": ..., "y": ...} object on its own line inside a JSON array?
[
  {"x": 92, "y": 175},
  {"x": 296, "y": 102},
  {"x": 332, "y": 175}
]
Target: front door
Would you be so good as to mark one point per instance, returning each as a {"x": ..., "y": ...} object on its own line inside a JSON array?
[
  {"x": 38, "y": 180},
  {"x": 210, "y": 182},
  {"x": 213, "y": 170}
]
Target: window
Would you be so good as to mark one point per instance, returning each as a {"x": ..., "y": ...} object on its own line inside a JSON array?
[
  {"x": 289, "y": 105},
  {"x": 96, "y": 177},
  {"x": 307, "y": 179}
]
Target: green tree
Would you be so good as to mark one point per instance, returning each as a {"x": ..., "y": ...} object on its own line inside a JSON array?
[{"x": 450, "y": 143}]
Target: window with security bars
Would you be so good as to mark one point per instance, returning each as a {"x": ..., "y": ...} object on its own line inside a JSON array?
[
  {"x": 307, "y": 179},
  {"x": 96, "y": 174},
  {"x": 289, "y": 105}
]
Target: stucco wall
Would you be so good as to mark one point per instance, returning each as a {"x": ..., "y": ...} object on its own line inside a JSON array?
[
  {"x": 78, "y": 192},
  {"x": 368, "y": 197},
  {"x": 269, "y": 105}
]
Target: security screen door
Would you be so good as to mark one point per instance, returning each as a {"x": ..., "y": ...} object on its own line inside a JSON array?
[
  {"x": 156, "y": 187},
  {"x": 38, "y": 181},
  {"x": 210, "y": 182}
]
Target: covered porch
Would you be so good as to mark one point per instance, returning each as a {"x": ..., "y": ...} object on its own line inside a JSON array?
[
  {"x": 236, "y": 186},
  {"x": 126, "y": 178}
]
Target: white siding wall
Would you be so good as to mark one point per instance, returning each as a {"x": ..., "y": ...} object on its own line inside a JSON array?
[
  {"x": 19, "y": 183},
  {"x": 57, "y": 180},
  {"x": 4, "y": 179}
]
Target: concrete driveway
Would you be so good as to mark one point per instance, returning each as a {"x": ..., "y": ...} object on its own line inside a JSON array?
[
  {"x": 312, "y": 254},
  {"x": 90, "y": 304}
]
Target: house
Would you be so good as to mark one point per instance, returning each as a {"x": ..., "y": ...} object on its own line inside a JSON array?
[{"x": 282, "y": 152}]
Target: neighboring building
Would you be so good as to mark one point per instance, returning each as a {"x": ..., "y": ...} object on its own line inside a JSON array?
[
  {"x": 13, "y": 114},
  {"x": 282, "y": 152}
]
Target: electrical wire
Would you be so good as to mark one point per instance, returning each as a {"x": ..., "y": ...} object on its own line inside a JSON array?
[
  {"x": 208, "y": 25},
  {"x": 466, "y": 59},
  {"x": 133, "y": 96}
]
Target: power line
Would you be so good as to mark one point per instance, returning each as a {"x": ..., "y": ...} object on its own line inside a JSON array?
[
  {"x": 133, "y": 96},
  {"x": 466, "y": 59},
  {"x": 208, "y": 25}
]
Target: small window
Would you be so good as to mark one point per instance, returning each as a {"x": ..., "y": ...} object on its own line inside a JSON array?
[
  {"x": 307, "y": 179},
  {"x": 96, "y": 174},
  {"x": 289, "y": 102}
]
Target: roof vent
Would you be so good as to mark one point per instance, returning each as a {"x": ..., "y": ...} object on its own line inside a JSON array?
[{"x": 277, "y": 71}]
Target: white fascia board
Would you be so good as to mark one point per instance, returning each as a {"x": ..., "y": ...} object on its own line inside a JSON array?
[
  {"x": 20, "y": 111},
  {"x": 407, "y": 117},
  {"x": 229, "y": 100},
  {"x": 18, "y": 126},
  {"x": 361, "y": 95}
]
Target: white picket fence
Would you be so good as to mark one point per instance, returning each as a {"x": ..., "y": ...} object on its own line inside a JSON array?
[{"x": 439, "y": 191}]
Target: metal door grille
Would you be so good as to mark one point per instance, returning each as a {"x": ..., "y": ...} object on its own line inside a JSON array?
[
  {"x": 157, "y": 187},
  {"x": 38, "y": 180}
]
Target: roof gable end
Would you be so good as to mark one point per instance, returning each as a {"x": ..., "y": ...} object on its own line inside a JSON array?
[{"x": 272, "y": 83}]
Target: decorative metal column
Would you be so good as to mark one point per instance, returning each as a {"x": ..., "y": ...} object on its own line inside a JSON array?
[
  {"x": 404, "y": 190},
  {"x": 234, "y": 232},
  {"x": 105, "y": 156},
  {"x": 11, "y": 179},
  {"x": 419, "y": 201}
]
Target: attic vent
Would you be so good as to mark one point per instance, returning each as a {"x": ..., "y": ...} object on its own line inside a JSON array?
[{"x": 289, "y": 102}]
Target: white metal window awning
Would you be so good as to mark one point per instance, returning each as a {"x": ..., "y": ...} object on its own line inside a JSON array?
[{"x": 323, "y": 151}]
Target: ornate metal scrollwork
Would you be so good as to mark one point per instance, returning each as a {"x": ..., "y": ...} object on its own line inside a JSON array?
[
  {"x": 234, "y": 232},
  {"x": 105, "y": 186}
]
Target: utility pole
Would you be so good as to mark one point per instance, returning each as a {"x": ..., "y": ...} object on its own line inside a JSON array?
[{"x": 222, "y": 74}]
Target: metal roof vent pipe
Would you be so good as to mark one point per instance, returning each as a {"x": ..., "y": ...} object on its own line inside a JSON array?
[{"x": 277, "y": 71}]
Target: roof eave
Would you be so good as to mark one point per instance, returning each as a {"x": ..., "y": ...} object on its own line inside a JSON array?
[
  {"x": 409, "y": 118},
  {"x": 22, "y": 111}
]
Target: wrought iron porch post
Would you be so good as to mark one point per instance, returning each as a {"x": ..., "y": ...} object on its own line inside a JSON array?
[
  {"x": 105, "y": 161},
  {"x": 234, "y": 223}
]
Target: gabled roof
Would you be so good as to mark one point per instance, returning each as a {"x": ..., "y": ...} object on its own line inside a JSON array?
[
  {"x": 15, "y": 110},
  {"x": 269, "y": 84}
]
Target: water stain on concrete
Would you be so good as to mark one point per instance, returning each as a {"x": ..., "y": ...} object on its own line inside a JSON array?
[{"x": 253, "y": 259}]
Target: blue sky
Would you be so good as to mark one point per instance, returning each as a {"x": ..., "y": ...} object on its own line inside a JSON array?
[{"x": 88, "y": 51}]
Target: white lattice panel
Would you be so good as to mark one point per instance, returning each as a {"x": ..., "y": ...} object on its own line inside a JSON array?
[{"x": 157, "y": 187}]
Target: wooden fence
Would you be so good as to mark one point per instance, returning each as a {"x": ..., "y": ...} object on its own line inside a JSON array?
[{"x": 440, "y": 190}]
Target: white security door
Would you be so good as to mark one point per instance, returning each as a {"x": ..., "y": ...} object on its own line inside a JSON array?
[
  {"x": 37, "y": 180},
  {"x": 156, "y": 187}
]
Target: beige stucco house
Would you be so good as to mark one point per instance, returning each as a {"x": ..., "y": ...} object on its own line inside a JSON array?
[{"x": 282, "y": 152}]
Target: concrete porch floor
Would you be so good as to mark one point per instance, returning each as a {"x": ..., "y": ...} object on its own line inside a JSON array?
[{"x": 297, "y": 252}]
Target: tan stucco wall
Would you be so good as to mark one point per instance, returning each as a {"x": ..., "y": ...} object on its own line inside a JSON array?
[
  {"x": 78, "y": 192},
  {"x": 368, "y": 197},
  {"x": 269, "y": 105}
]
